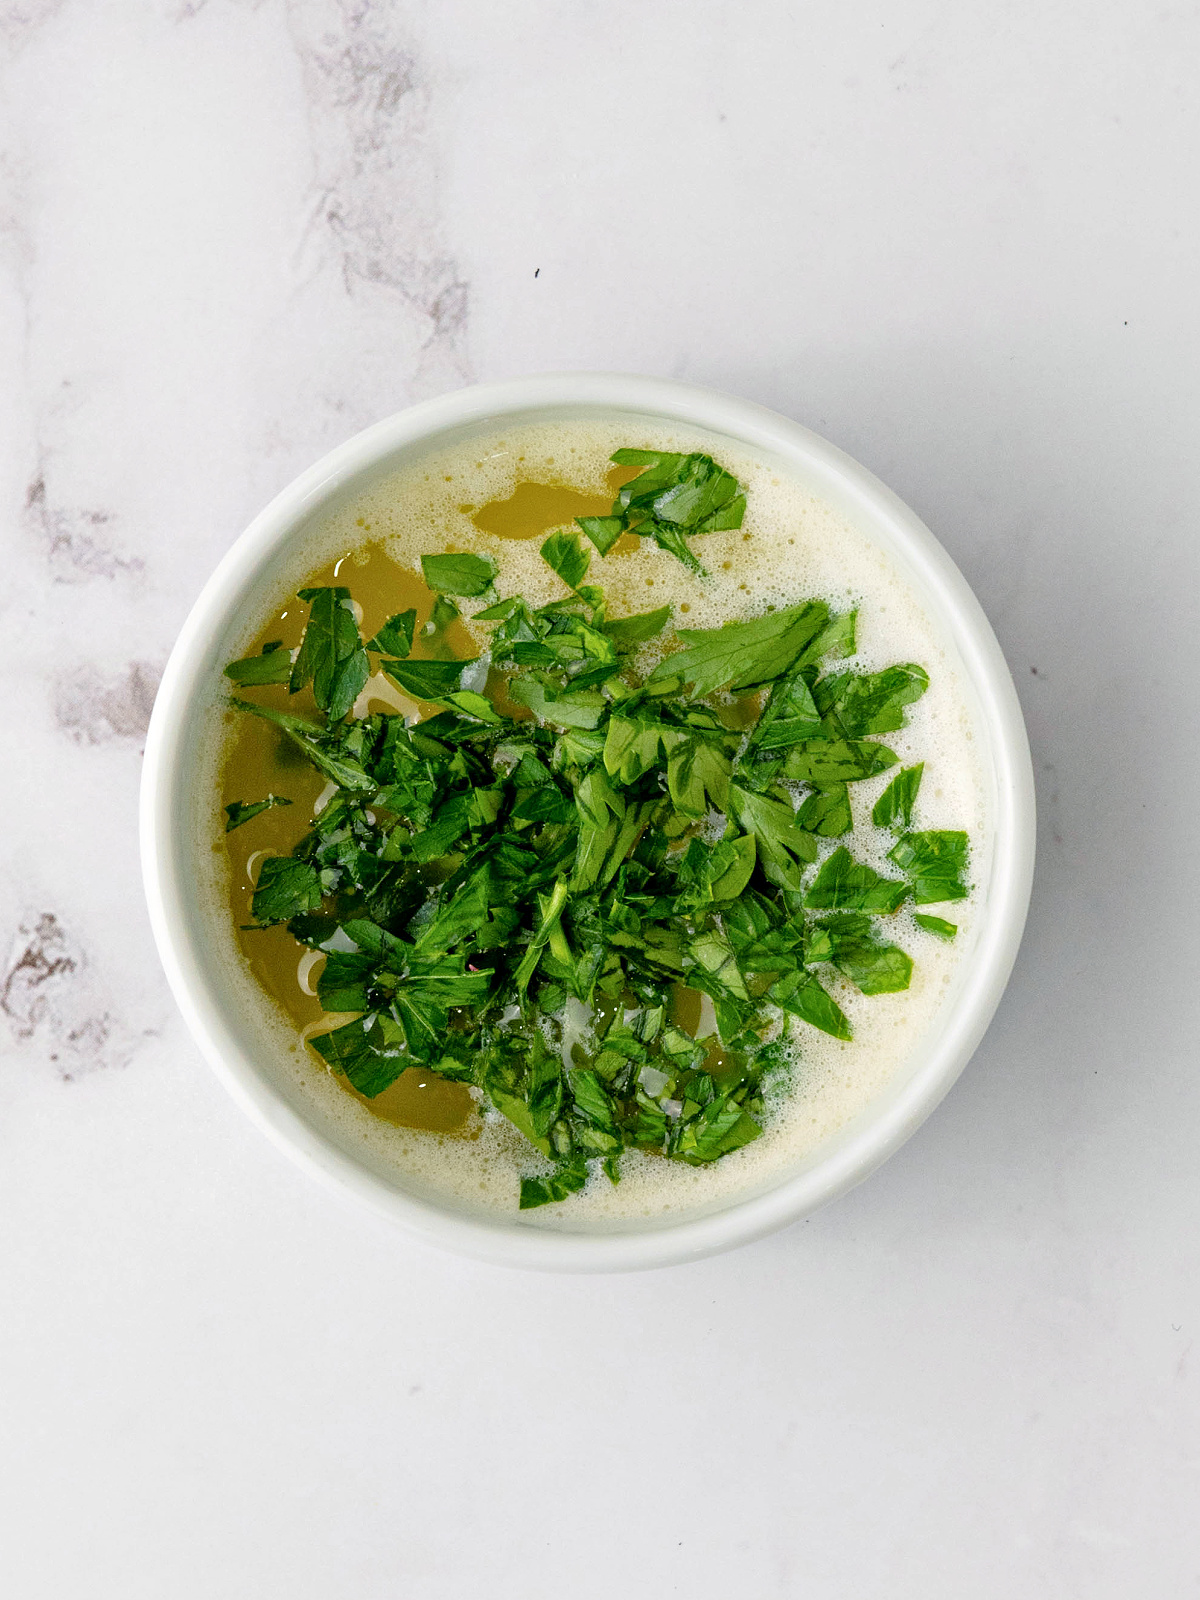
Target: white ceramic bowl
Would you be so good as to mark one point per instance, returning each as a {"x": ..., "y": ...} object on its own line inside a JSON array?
[{"x": 170, "y": 805}]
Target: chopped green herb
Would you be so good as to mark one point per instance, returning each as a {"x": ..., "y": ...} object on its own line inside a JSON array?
[
  {"x": 827, "y": 811},
  {"x": 626, "y": 632},
  {"x": 239, "y": 811},
  {"x": 846, "y": 884},
  {"x": 477, "y": 879},
  {"x": 937, "y": 925},
  {"x": 740, "y": 655},
  {"x": 427, "y": 680},
  {"x": 872, "y": 965},
  {"x": 874, "y": 702},
  {"x": 894, "y": 808},
  {"x": 566, "y": 1179},
  {"x": 566, "y": 555},
  {"x": 285, "y": 889},
  {"x": 673, "y": 499},
  {"x": 395, "y": 638},
  {"x": 934, "y": 863},
  {"x": 274, "y": 665},
  {"x": 459, "y": 574},
  {"x": 332, "y": 657}
]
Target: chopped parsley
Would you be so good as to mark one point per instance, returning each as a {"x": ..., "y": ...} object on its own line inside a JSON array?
[
  {"x": 242, "y": 811},
  {"x": 513, "y": 902},
  {"x": 671, "y": 500}
]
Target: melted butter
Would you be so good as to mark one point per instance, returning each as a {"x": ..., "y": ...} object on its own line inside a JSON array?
[
  {"x": 420, "y": 1099},
  {"x": 684, "y": 1008},
  {"x": 533, "y": 510}
]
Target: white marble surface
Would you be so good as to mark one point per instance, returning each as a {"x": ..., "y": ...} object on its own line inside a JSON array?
[{"x": 962, "y": 242}]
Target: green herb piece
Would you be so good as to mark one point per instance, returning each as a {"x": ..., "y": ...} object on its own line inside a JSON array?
[
  {"x": 894, "y": 808},
  {"x": 627, "y": 632},
  {"x": 602, "y": 531},
  {"x": 274, "y": 665},
  {"x": 563, "y": 552},
  {"x": 836, "y": 639},
  {"x": 783, "y": 846},
  {"x": 473, "y": 705},
  {"x": 239, "y": 811},
  {"x": 675, "y": 498},
  {"x": 323, "y": 749},
  {"x": 829, "y": 761},
  {"x": 395, "y": 638},
  {"x": 343, "y": 982},
  {"x": 580, "y": 708},
  {"x": 935, "y": 925},
  {"x": 799, "y": 993},
  {"x": 827, "y": 811},
  {"x": 459, "y": 574},
  {"x": 443, "y": 613},
  {"x": 935, "y": 864},
  {"x": 331, "y": 657},
  {"x": 427, "y": 680},
  {"x": 720, "y": 1128},
  {"x": 285, "y": 889},
  {"x": 551, "y": 912},
  {"x": 873, "y": 702},
  {"x": 371, "y": 1053},
  {"x": 845, "y": 884},
  {"x": 728, "y": 867},
  {"x": 789, "y": 716},
  {"x": 872, "y": 965},
  {"x": 566, "y": 1179},
  {"x": 740, "y": 655}
]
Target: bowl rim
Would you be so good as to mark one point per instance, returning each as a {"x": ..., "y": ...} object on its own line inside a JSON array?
[{"x": 882, "y": 1126}]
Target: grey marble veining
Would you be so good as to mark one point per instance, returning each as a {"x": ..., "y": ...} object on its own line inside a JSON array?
[{"x": 962, "y": 243}]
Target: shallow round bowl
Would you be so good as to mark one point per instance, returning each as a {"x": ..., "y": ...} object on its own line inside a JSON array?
[{"x": 175, "y": 885}]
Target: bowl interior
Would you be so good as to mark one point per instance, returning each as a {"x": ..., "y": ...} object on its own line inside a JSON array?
[{"x": 223, "y": 1005}]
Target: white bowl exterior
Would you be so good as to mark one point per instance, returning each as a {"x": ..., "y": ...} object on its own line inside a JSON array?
[{"x": 882, "y": 1126}]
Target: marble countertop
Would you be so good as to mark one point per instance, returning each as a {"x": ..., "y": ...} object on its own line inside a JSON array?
[{"x": 959, "y": 241}]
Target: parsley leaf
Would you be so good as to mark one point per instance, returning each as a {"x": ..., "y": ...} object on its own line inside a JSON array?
[
  {"x": 239, "y": 811},
  {"x": 427, "y": 680},
  {"x": 321, "y": 748},
  {"x": 567, "y": 1178},
  {"x": 331, "y": 657},
  {"x": 799, "y": 993},
  {"x": 274, "y": 665},
  {"x": 843, "y": 883},
  {"x": 934, "y": 863},
  {"x": 581, "y": 708},
  {"x": 783, "y": 846},
  {"x": 285, "y": 889},
  {"x": 872, "y": 965},
  {"x": 789, "y": 716},
  {"x": 465, "y": 575},
  {"x": 829, "y": 761},
  {"x": 626, "y": 632},
  {"x": 740, "y": 655},
  {"x": 395, "y": 638},
  {"x": 894, "y": 808},
  {"x": 827, "y": 811},
  {"x": 371, "y": 1052},
  {"x": 872, "y": 702},
  {"x": 563, "y": 552},
  {"x": 672, "y": 500}
]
